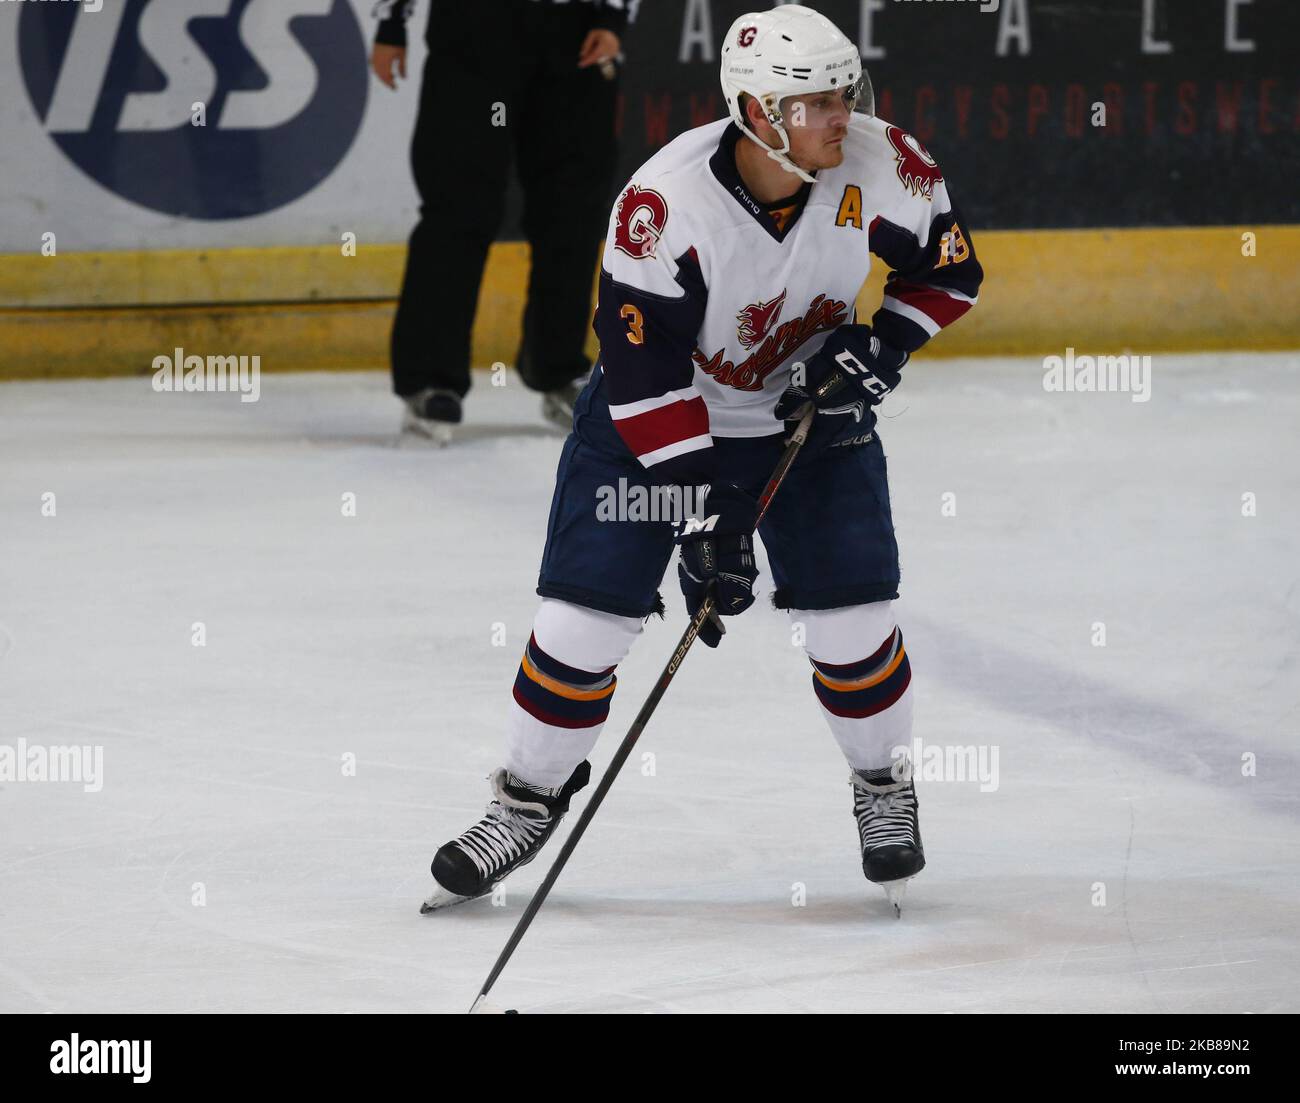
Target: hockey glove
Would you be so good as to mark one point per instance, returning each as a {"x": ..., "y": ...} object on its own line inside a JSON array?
[
  {"x": 719, "y": 550},
  {"x": 853, "y": 371}
]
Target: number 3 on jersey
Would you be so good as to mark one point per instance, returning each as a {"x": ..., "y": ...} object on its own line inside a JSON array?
[{"x": 634, "y": 323}]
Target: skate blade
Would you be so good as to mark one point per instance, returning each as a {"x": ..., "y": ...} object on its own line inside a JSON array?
[
  {"x": 423, "y": 433},
  {"x": 894, "y": 893},
  {"x": 440, "y": 899},
  {"x": 557, "y": 416}
]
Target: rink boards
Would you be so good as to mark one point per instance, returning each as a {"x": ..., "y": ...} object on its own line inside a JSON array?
[{"x": 313, "y": 308}]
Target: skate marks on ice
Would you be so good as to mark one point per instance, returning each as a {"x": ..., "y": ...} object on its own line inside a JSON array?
[
  {"x": 468, "y": 433},
  {"x": 318, "y": 883},
  {"x": 1166, "y": 737},
  {"x": 971, "y": 952}
]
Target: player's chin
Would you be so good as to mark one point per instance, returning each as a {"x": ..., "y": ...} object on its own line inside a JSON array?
[{"x": 833, "y": 154}]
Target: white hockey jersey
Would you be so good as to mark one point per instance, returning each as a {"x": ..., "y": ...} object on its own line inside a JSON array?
[{"x": 708, "y": 297}]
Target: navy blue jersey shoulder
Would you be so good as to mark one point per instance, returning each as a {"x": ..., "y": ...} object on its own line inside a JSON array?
[{"x": 646, "y": 340}]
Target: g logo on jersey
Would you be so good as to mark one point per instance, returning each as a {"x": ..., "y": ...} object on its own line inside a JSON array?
[
  {"x": 283, "y": 85},
  {"x": 916, "y": 168},
  {"x": 757, "y": 319},
  {"x": 639, "y": 221}
]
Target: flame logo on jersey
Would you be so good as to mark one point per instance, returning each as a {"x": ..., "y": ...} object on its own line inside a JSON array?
[
  {"x": 916, "y": 168},
  {"x": 746, "y": 35},
  {"x": 757, "y": 318},
  {"x": 639, "y": 221},
  {"x": 751, "y": 373}
]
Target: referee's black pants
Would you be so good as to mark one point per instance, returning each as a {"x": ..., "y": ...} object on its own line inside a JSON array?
[{"x": 519, "y": 57}]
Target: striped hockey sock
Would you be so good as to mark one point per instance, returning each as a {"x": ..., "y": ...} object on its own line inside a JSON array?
[
  {"x": 853, "y": 691},
  {"x": 556, "y": 716},
  {"x": 562, "y": 696}
]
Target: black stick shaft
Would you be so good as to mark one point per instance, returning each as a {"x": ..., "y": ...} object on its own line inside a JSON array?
[{"x": 638, "y": 725}]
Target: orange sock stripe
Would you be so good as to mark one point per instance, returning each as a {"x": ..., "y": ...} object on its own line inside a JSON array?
[
  {"x": 861, "y": 683},
  {"x": 562, "y": 690}
]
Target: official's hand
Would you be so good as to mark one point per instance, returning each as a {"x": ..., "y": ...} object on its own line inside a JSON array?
[
  {"x": 599, "y": 45},
  {"x": 384, "y": 60}
]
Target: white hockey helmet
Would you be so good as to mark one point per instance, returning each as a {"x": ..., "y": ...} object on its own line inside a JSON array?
[{"x": 788, "y": 51}]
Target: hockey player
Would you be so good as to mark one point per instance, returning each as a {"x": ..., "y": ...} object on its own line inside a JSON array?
[{"x": 732, "y": 262}]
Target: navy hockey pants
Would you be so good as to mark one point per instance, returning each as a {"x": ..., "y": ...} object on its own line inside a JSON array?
[{"x": 829, "y": 534}]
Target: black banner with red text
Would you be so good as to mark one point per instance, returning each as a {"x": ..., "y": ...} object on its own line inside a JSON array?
[{"x": 1042, "y": 113}]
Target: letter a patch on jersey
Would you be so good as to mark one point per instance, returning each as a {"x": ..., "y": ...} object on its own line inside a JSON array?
[
  {"x": 641, "y": 217},
  {"x": 850, "y": 207}
]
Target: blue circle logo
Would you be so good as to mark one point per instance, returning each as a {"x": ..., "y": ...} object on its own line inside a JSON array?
[{"x": 207, "y": 109}]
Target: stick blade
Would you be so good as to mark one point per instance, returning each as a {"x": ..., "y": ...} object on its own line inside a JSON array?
[{"x": 483, "y": 1007}]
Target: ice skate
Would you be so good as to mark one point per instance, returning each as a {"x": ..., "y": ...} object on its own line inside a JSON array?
[
  {"x": 514, "y": 829},
  {"x": 889, "y": 831},
  {"x": 430, "y": 417},
  {"x": 557, "y": 405}
]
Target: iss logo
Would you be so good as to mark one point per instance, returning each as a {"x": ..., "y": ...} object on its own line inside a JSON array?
[{"x": 283, "y": 85}]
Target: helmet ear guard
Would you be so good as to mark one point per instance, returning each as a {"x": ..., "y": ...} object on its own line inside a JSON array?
[{"x": 771, "y": 105}]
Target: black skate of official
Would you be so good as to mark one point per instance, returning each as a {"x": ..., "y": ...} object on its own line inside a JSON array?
[
  {"x": 558, "y": 404},
  {"x": 889, "y": 830},
  {"x": 431, "y": 416},
  {"x": 515, "y": 827}
]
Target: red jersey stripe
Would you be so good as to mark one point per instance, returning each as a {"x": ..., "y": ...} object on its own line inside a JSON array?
[{"x": 656, "y": 429}]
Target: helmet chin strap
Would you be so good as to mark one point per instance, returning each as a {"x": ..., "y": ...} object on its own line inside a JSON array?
[
  {"x": 784, "y": 161},
  {"x": 780, "y": 156}
]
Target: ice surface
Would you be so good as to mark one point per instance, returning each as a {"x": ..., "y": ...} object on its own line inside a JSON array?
[{"x": 373, "y": 636}]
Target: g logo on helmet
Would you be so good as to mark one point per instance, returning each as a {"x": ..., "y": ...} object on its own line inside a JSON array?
[
  {"x": 746, "y": 36},
  {"x": 916, "y": 168},
  {"x": 119, "y": 89},
  {"x": 639, "y": 221}
]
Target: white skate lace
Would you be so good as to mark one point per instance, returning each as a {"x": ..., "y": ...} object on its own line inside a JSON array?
[
  {"x": 884, "y": 819},
  {"x": 507, "y": 832},
  {"x": 501, "y": 837}
]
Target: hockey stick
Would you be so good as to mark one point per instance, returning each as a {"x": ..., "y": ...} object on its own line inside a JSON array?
[{"x": 702, "y": 614}]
